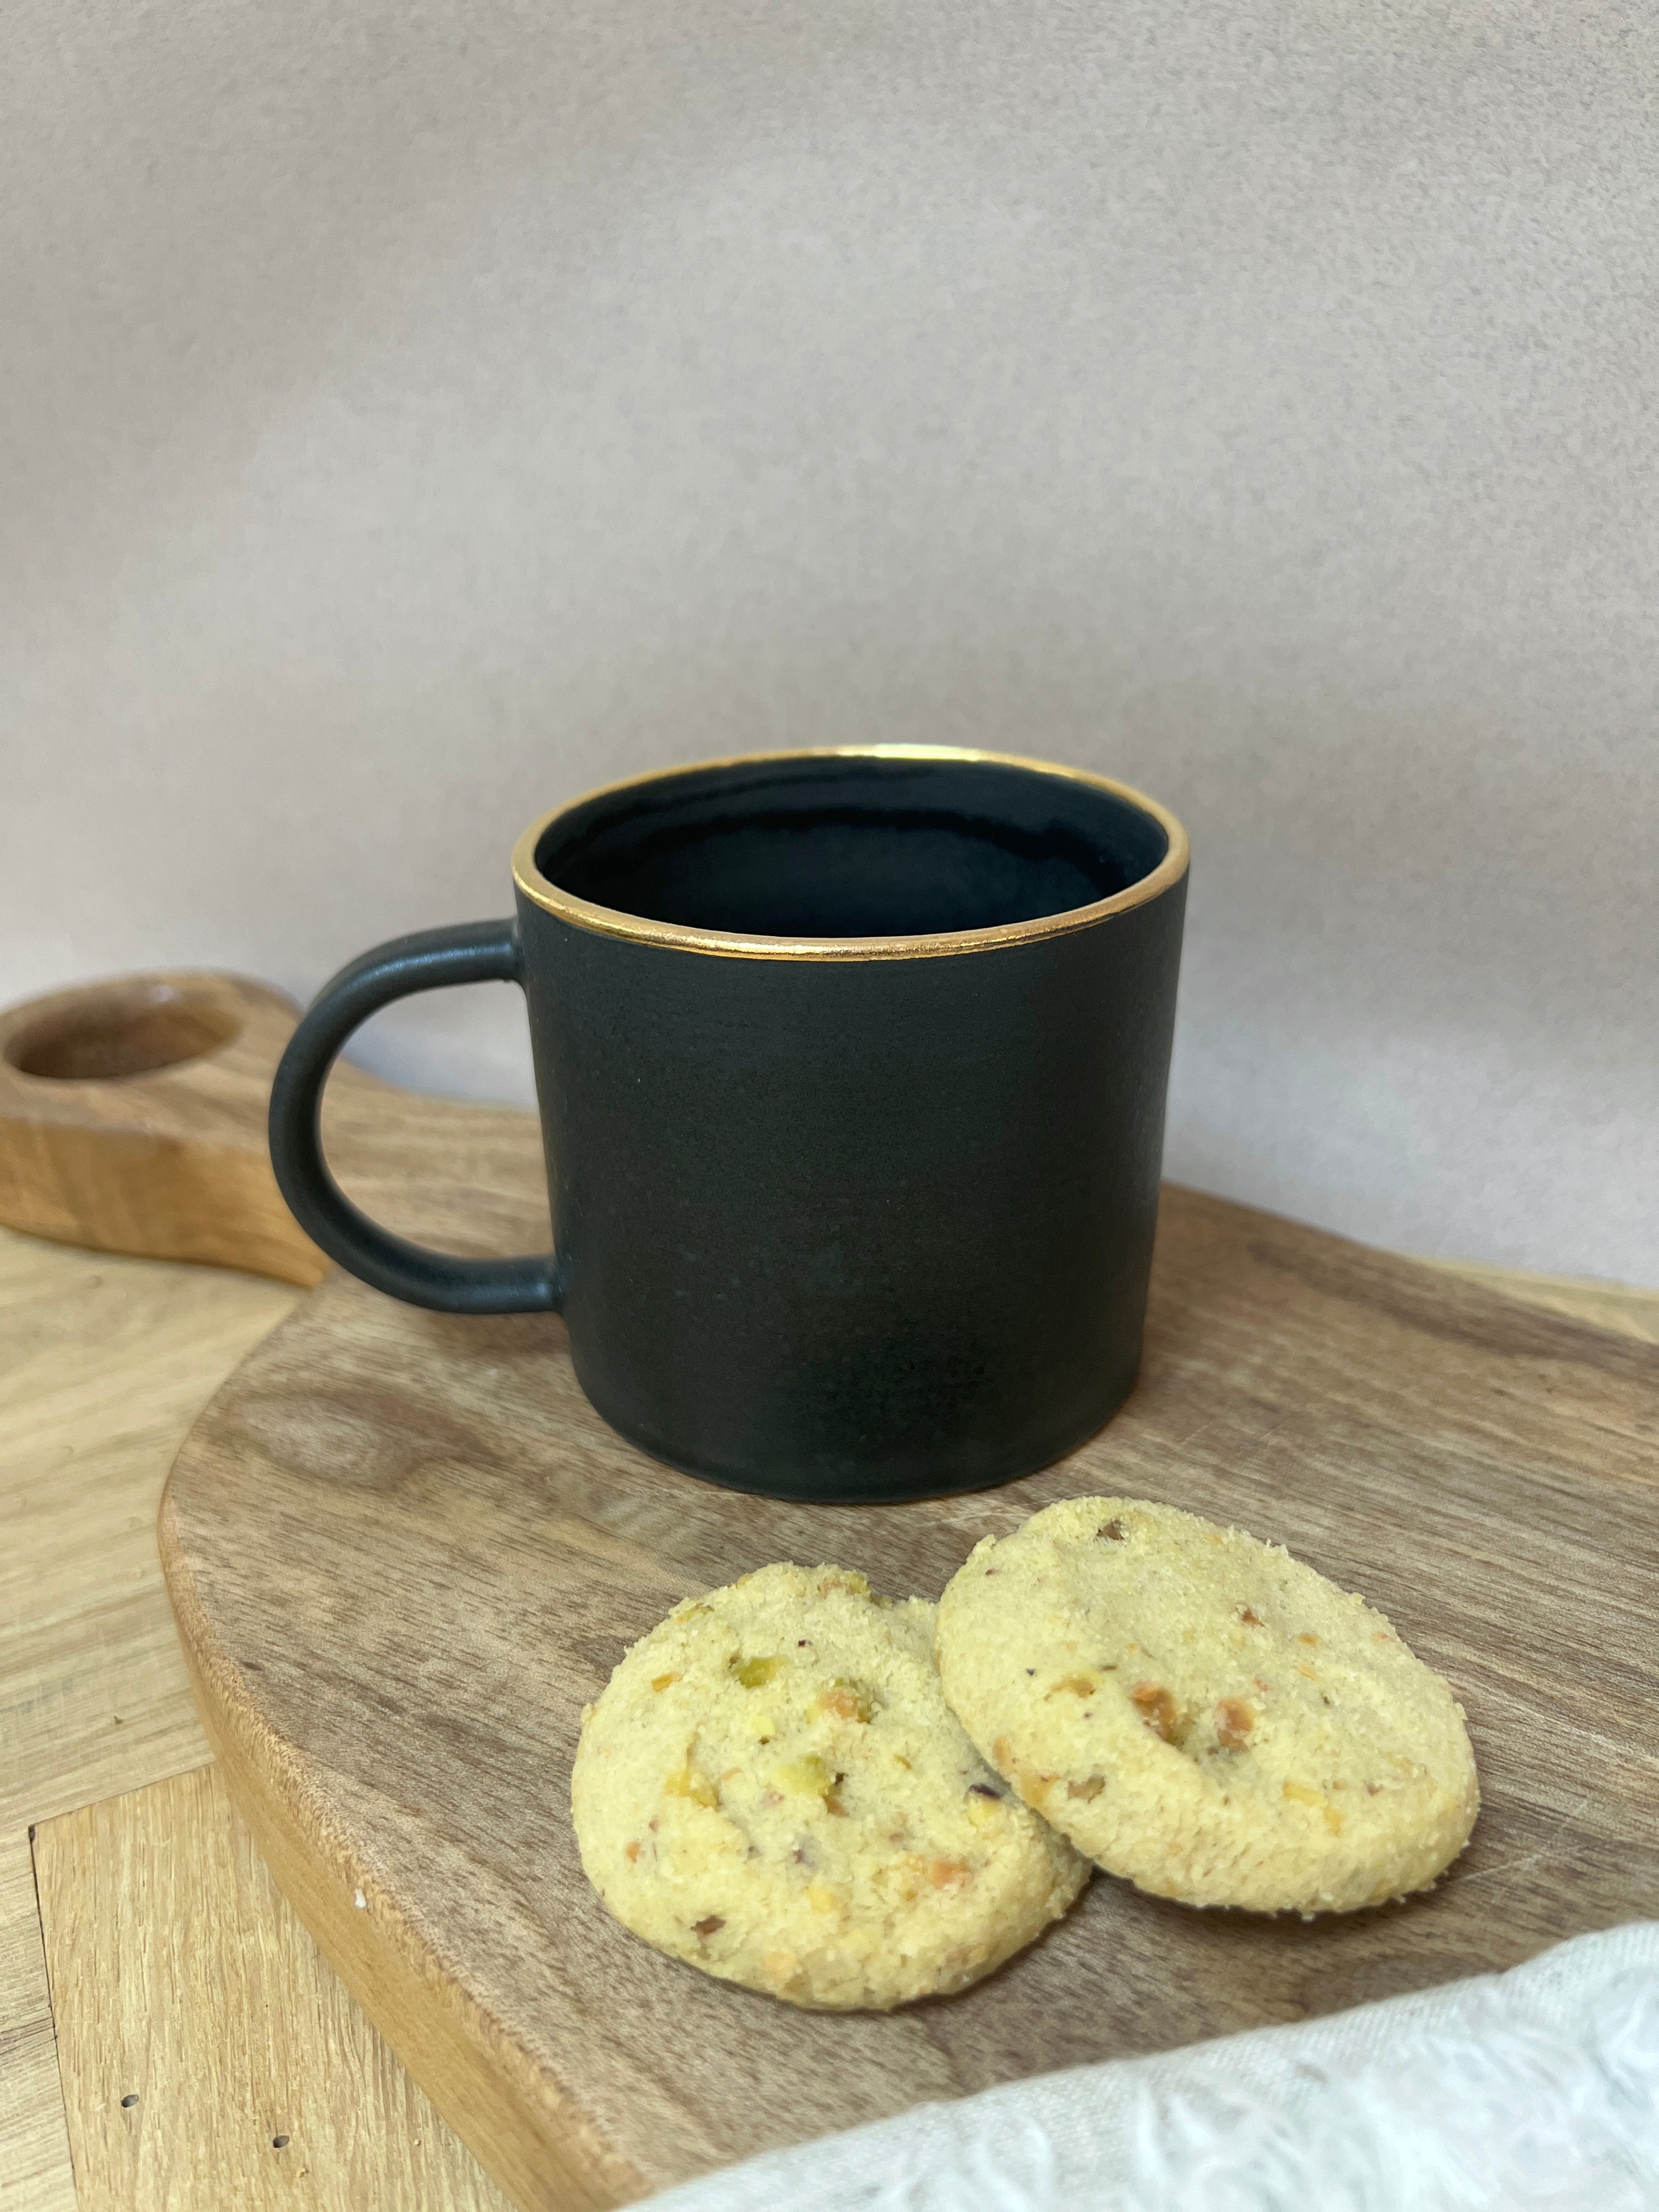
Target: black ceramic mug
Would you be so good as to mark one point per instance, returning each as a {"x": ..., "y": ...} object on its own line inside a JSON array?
[{"x": 851, "y": 1068}]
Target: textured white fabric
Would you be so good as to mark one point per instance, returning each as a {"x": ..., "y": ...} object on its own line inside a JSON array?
[
  {"x": 1532, "y": 2091},
  {"x": 412, "y": 411}
]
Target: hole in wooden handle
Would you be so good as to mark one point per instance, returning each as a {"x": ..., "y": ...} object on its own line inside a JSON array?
[{"x": 122, "y": 1033}]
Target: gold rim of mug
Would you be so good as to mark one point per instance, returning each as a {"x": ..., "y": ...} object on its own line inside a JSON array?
[{"x": 732, "y": 944}]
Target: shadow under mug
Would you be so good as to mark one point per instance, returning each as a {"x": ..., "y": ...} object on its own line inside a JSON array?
[{"x": 851, "y": 1069}]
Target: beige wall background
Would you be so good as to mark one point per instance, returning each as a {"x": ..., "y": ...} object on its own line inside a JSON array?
[{"x": 411, "y": 415}]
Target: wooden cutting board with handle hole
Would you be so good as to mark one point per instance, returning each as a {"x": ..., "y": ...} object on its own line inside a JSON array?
[{"x": 403, "y": 1552}]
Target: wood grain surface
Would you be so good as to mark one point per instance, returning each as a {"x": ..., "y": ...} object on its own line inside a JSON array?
[
  {"x": 104, "y": 1364},
  {"x": 402, "y": 1551},
  {"x": 95, "y": 1349},
  {"x": 36, "y": 2174},
  {"x": 187, "y": 2087},
  {"x": 101, "y": 1362},
  {"x": 130, "y": 1120},
  {"x": 104, "y": 1361}
]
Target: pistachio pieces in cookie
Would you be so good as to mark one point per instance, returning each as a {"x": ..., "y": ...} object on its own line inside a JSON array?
[
  {"x": 772, "y": 1787},
  {"x": 1203, "y": 1714}
]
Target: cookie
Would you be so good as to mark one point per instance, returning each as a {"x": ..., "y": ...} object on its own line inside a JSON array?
[
  {"x": 772, "y": 1787},
  {"x": 1203, "y": 1714}
]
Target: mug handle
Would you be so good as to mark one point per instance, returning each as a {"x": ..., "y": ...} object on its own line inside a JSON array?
[{"x": 470, "y": 952}]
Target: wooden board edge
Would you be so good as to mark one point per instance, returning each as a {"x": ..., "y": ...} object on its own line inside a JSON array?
[
  {"x": 545, "y": 2153},
  {"x": 1623, "y": 1309}
]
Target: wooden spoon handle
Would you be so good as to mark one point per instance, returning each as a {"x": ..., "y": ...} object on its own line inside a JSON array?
[{"x": 132, "y": 1118}]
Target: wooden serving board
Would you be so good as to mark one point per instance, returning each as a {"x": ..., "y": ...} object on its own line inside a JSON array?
[{"x": 403, "y": 1552}]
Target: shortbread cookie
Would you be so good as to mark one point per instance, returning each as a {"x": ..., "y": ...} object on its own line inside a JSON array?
[
  {"x": 772, "y": 1787},
  {"x": 1201, "y": 1712}
]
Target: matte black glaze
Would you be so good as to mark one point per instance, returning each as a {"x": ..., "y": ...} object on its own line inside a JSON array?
[
  {"x": 429, "y": 960},
  {"x": 863, "y": 1231},
  {"x": 833, "y": 1228}
]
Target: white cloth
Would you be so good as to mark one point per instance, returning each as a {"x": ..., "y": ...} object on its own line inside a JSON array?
[{"x": 1517, "y": 2092}]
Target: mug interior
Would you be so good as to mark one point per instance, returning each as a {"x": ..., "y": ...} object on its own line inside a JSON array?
[{"x": 851, "y": 846}]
